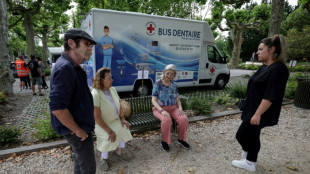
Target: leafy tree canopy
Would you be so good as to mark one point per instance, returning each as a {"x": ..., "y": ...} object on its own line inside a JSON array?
[{"x": 298, "y": 51}]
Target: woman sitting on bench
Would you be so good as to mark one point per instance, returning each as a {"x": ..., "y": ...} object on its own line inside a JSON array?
[{"x": 167, "y": 106}]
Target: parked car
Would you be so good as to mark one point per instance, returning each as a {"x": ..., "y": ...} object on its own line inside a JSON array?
[{"x": 13, "y": 68}]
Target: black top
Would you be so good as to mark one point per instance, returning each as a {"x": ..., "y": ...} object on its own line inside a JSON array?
[
  {"x": 69, "y": 90},
  {"x": 268, "y": 83},
  {"x": 33, "y": 66}
]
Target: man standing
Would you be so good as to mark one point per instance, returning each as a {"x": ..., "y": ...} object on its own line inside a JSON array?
[
  {"x": 21, "y": 68},
  {"x": 71, "y": 103},
  {"x": 35, "y": 74}
]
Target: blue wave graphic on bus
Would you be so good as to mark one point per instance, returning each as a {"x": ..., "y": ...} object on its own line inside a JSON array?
[{"x": 132, "y": 54}]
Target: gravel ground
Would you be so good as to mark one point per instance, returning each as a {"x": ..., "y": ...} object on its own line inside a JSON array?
[{"x": 285, "y": 149}]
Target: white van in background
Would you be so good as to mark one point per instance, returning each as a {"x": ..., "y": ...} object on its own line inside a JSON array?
[
  {"x": 54, "y": 54},
  {"x": 144, "y": 44}
]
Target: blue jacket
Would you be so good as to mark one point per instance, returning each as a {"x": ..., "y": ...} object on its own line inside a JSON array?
[{"x": 69, "y": 90}]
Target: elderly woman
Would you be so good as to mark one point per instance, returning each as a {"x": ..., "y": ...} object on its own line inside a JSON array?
[
  {"x": 167, "y": 106},
  {"x": 111, "y": 129}
]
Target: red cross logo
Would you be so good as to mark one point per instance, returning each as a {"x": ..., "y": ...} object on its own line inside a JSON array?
[
  {"x": 150, "y": 28},
  {"x": 212, "y": 69},
  {"x": 89, "y": 24}
]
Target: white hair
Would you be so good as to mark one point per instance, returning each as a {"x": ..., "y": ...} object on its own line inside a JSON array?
[{"x": 170, "y": 67}]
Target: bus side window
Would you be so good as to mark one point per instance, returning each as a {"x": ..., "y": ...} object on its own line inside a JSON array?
[{"x": 213, "y": 55}]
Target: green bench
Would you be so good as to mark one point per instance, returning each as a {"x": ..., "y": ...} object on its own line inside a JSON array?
[{"x": 141, "y": 117}]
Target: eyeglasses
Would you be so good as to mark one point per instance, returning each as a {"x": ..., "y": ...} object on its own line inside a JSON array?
[
  {"x": 169, "y": 74},
  {"x": 87, "y": 43}
]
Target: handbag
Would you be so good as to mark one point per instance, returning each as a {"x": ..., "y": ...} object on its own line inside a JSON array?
[
  {"x": 126, "y": 107},
  {"x": 241, "y": 104}
]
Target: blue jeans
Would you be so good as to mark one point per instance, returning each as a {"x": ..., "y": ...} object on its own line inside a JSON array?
[{"x": 84, "y": 156}]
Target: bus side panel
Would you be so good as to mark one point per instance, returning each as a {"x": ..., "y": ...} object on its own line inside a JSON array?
[
  {"x": 149, "y": 43},
  {"x": 89, "y": 65}
]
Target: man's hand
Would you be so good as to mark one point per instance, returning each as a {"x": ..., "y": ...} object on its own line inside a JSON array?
[{"x": 81, "y": 134}]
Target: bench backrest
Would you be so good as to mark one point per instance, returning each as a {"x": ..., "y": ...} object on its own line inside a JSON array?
[{"x": 140, "y": 104}]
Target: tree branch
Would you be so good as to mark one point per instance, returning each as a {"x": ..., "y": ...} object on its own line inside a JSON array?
[{"x": 18, "y": 20}]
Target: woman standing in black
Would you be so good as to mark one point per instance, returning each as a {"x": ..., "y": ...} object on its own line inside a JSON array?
[{"x": 265, "y": 92}]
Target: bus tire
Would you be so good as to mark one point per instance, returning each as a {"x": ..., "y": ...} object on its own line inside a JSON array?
[
  {"x": 144, "y": 90},
  {"x": 220, "y": 82}
]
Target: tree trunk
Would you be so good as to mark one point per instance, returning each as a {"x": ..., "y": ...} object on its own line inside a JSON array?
[
  {"x": 44, "y": 48},
  {"x": 276, "y": 17},
  {"x": 102, "y": 3},
  {"x": 6, "y": 77},
  {"x": 237, "y": 40},
  {"x": 28, "y": 23}
]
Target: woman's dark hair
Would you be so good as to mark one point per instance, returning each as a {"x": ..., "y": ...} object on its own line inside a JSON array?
[
  {"x": 32, "y": 56},
  {"x": 279, "y": 43}
]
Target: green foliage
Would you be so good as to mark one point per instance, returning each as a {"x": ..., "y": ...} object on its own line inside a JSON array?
[
  {"x": 296, "y": 20},
  {"x": 238, "y": 90},
  {"x": 300, "y": 68},
  {"x": 47, "y": 72},
  {"x": 171, "y": 8},
  {"x": 252, "y": 67},
  {"x": 9, "y": 135},
  {"x": 41, "y": 13},
  {"x": 2, "y": 98},
  {"x": 44, "y": 128},
  {"x": 201, "y": 106},
  {"x": 225, "y": 99},
  {"x": 298, "y": 51},
  {"x": 291, "y": 85},
  {"x": 223, "y": 46},
  {"x": 241, "y": 66}
]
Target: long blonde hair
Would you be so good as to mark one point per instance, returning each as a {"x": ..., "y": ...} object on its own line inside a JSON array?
[{"x": 100, "y": 75}]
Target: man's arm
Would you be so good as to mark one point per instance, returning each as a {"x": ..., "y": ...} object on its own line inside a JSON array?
[
  {"x": 39, "y": 71},
  {"x": 65, "y": 117}
]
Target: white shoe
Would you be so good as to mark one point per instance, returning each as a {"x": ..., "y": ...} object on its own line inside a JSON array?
[{"x": 244, "y": 164}]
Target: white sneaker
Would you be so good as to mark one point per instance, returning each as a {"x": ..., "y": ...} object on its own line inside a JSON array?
[{"x": 244, "y": 164}]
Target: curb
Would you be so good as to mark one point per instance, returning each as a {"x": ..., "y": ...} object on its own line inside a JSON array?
[{"x": 61, "y": 143}]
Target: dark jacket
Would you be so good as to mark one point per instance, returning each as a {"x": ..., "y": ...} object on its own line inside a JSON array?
[{"x": 69, "y": 90}]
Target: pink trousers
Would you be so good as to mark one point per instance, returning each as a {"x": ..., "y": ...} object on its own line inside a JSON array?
[{"x": 166, "y": 123}]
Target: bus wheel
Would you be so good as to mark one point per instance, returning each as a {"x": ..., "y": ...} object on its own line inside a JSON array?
[
  {"x": 220, "y": 82},
  {"x": 140, "y": 90}
]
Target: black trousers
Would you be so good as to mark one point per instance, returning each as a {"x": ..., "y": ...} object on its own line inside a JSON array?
[
  {"x": 44, "y": 85},
  {"x": 248, "y": 137},
  {"x": 27, "y": 83},
  {"x": 84, "y": 155}
]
